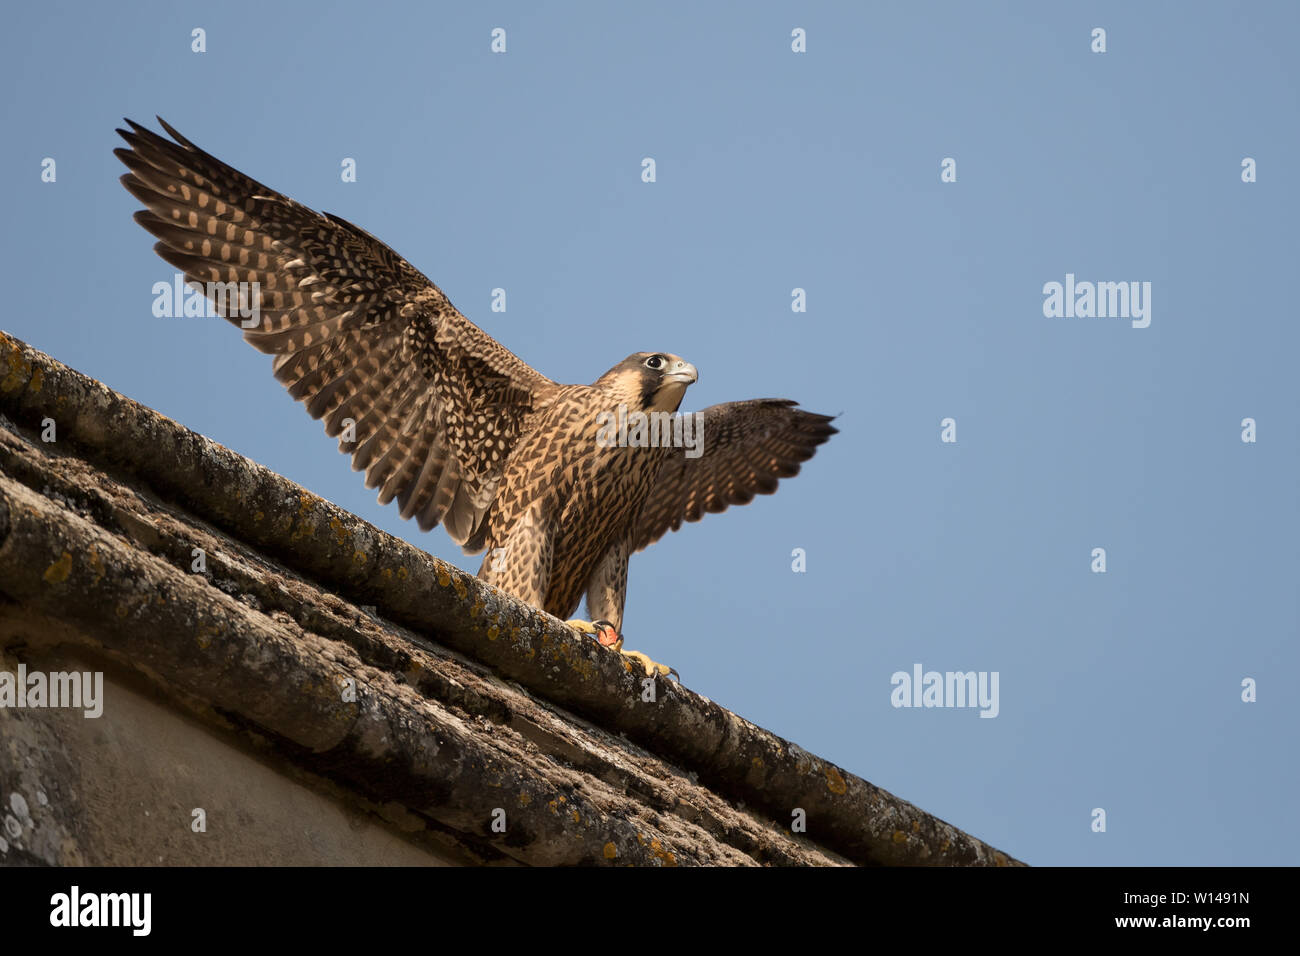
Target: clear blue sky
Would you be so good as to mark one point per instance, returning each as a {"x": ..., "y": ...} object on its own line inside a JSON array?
[{"x": 821, "y": 171}]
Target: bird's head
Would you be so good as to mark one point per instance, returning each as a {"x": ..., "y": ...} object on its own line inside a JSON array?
[{"x": 649, "y": 381}]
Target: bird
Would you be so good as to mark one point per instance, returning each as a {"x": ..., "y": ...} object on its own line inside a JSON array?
[{"x": 558, "y": 484}]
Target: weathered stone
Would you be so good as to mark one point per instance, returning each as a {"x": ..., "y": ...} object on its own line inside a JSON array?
[{"x": 327, "y": 666}]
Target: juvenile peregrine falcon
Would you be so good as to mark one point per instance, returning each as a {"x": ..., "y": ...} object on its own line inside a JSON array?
[{"x": 443, "y": 418}]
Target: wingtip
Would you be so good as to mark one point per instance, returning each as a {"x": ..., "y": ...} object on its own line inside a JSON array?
[{"x": 174, "y": 134}]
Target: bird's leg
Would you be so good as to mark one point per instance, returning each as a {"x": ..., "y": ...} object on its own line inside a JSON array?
[{"x": 608, "y": 636}]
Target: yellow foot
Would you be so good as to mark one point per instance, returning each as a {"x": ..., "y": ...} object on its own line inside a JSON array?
[
  {"x": 652, "y": 668},
  {"x": 608, "y": 636}
]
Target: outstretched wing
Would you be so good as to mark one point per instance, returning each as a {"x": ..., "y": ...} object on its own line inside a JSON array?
[
  {"x": 747, "y": 448},
  {"x": 426, "y": 403}
]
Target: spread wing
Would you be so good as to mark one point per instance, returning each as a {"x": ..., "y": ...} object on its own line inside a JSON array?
[
  {"x": 748, "y": 448},
  {"x": 426, "y": 403}
]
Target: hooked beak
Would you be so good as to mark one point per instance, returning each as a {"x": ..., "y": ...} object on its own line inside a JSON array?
[{"x": 683, "y": 372}]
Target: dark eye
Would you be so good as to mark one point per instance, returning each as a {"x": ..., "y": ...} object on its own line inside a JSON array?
[{"x": 655, "y": 361}]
